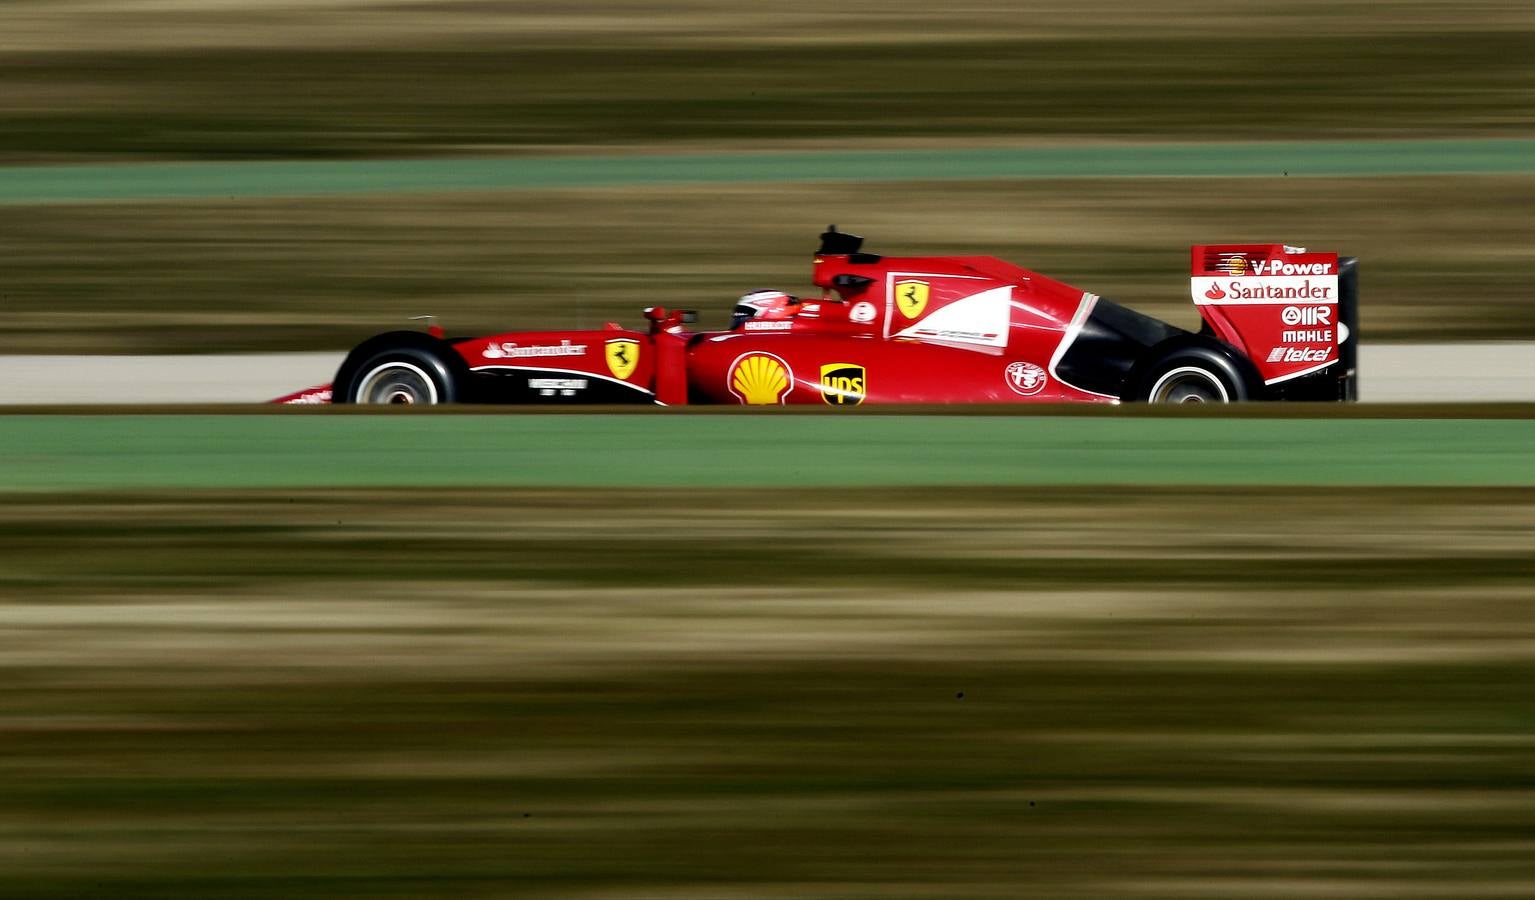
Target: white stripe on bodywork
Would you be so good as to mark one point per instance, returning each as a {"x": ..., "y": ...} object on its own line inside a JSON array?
[
  {"x": 1084, "y": 309},
  {"x": 980, "y": 319},
  {"x": 566, "y": 371},
  {"x": 890, "y": 280},
  {"x": 1301, "y": 372}
]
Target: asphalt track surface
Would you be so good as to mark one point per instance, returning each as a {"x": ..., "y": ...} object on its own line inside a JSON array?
[
  {"x": 1390, "y": 373},
  {"x": 147, "y": 452},
  {"x": 194, "y": 180}
]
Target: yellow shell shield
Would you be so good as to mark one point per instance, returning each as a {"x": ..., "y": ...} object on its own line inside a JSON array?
[
  {"x": 760, "y": 379},
  {"x": 911, "y": 298},
  {"x": 623, "y": 355}
]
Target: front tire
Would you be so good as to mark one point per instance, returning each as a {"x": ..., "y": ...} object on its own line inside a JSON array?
[{"x": 401, "y": 368}]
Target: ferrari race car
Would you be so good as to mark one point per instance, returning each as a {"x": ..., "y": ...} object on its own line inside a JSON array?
[{"x": 1280, "y": 323}]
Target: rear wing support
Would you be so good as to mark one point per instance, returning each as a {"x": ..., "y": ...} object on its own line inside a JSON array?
[
  {"x": 1293, "y": 313},
  {"x": 1348, "y": 322}
]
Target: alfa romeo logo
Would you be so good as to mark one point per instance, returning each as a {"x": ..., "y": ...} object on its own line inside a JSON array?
[{"x": 1025, "y": 378}]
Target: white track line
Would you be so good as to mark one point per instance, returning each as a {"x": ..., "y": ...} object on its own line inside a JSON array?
[
  {"x": 225, "y": 378},
  {"x": 1389, "y": 373}
]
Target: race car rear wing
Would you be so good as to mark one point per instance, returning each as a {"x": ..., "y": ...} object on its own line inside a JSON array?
[{"x": 1294, "y": 313}]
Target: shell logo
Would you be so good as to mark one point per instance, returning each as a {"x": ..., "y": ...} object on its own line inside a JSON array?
[
  {"x": 1235, "y": 265},
  {"x": 760, "y": 379}
]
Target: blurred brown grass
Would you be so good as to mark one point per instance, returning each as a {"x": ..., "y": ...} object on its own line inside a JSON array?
[
  {"x": 1442, "y": 258},
  {"x": 98, "y": 80},
  {"x": 60, "y": 25},
  {"x": 983, "y": 693}
]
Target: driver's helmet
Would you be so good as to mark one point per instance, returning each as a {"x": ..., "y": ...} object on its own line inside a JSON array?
[{"x": 764, "y": 306}]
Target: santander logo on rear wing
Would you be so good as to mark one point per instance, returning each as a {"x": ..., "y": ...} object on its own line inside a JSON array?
[{"x": 1281, "y": 305}]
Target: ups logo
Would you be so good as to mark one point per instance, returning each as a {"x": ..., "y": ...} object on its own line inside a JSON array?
[{"x": 842, "y": 384}]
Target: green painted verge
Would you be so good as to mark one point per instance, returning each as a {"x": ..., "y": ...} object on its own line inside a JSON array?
[
  {"x": 62, "y": 452},
  {"x": 62, "y": 184}
]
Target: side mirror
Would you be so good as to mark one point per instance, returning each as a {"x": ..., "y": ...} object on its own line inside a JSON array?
[
  {"x": 432, "y": 328},
  {"x": 663, "y": 319}
]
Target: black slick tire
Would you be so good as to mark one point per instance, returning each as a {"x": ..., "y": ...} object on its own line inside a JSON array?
[
  {"x": 401, "y": 367},
  {"x": 1193, "y": 369}
]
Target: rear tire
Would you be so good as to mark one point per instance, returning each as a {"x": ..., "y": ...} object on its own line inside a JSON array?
[
  {"x": 1189, "y": 384},
  {"x": 1193, "y": 369},
  {"x": 404, "y": 368}
]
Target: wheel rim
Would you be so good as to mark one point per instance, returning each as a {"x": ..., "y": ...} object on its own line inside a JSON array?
[
  {"x": 397, "y": 383},
  {"x": 1189, "y": 384}
]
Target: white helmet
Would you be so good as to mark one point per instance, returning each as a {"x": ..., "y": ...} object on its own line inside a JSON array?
[{"x": 764, "y": 306}]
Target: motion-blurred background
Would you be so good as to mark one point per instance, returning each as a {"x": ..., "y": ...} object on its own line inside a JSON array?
[
  {"x": 566, "y": 691},
  {"x": 140, "y": 81}
]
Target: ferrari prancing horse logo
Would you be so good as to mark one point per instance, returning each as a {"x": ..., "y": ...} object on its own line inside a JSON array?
[
  {"x": 623, "y": 355},
  {"x": 911, "y": 298}
]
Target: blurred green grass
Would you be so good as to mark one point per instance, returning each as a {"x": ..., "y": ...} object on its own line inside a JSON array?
[
  {"x": 1442, "y": 258},
  {"x": 658, "y": 448},
  {"x": 1108, "y": 692}
]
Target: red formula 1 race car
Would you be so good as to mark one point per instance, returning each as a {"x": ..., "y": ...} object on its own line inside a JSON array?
[{"x": 1280, "y": 323}]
